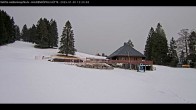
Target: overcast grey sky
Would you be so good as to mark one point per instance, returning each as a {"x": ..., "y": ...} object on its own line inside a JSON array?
[{"x": 105, "y": 29}]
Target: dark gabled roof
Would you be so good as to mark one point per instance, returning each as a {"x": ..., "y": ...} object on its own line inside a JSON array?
[{"x": 126, "y": 50}]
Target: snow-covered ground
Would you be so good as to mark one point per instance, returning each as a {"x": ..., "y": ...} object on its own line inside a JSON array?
[{"x": 26, "y": 80}]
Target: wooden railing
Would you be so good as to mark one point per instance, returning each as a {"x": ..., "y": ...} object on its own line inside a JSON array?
[{"x": 146, "y": 62}]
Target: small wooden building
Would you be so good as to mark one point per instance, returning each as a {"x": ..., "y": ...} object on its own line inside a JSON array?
[{"x": 129, "y": 57}]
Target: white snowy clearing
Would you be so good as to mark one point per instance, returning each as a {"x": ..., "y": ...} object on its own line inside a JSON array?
[{"x": 26, "y": 80}]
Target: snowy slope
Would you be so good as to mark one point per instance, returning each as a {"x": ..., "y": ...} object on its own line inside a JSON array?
[{"x": 26, "y": 80}]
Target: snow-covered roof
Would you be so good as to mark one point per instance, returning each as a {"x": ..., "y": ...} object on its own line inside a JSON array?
[{"x": 84, "y": 56}]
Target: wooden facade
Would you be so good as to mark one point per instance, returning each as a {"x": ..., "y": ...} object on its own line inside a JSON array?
[
  {"x": 127, "y": 58},
  {"x": 131, "y": 63}
]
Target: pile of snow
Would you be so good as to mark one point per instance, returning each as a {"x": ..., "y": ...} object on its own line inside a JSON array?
[{"x": 26, "y": 80}]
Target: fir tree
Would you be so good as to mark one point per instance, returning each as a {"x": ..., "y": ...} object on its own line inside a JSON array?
[
  {"x": 67, "y": 40},
  {"x": 53, "y": 33},
  {"x": 33, "y": 34},
  {"x": 7, "y": 28},
  {"x": 3, "y": 32},
  {"x": 173, "y": 58},
  {"x": 159, "y": 46},
  {"x": 25, "y": 34},
  {"x": 148, "y": 46},
  {"x": 192, "y": 59},
  {"x": 42, "y": 33},
  {"x": 17, "y": 33},
  {"x": 192, "y": 49},
  {"x": 46, "y": 34},
  {"x": 12, "y": 37},
  {"x": 192, "y": 43}
]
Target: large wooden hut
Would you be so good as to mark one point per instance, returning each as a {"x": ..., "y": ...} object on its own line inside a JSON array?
[{"x": 128, "y": 57}]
